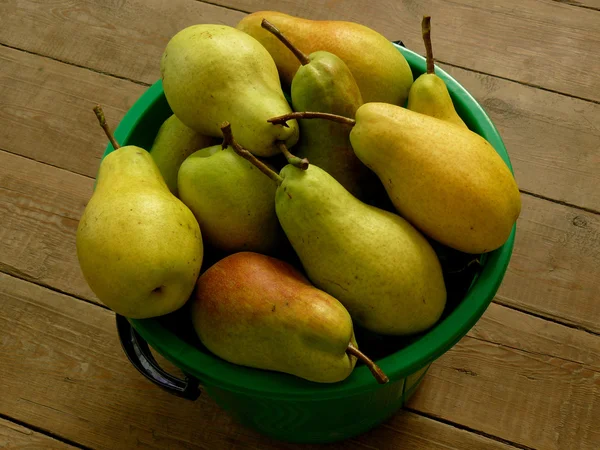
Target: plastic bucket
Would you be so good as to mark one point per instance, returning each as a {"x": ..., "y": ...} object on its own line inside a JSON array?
[{"x": 286, "y": 407}]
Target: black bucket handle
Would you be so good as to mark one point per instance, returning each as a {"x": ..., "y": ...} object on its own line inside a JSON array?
[{"x": 138, "y": 353}]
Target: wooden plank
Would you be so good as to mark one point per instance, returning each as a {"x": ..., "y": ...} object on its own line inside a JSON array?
[
  {"x": 99, "y": 400},
  {"x": 125, "y": 38},
  {"x": 40, "y": 207},
  {"x": 543, "y": 43},
  {"x": 48, "y": 106},
  {"x": 46, "y": 110},
  {"x": 553, "y": 141},
  {"x": 555, "y": 266},
  {"x": 592, "y": 4},
  {"x": 553, "y": 270},
  {"x": 531, "y": 334},
  {"x": 14, "y": 437},
  {"x": 538, "y": 42},
  {"x": 532, "y": 399}
]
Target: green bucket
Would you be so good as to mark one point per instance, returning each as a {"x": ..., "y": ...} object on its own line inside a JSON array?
[{"x": 282, "y": 406}]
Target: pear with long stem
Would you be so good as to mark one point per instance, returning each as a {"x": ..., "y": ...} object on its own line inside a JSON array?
[
  {"x": 374, "y": 262},
  {"x": 445, "y": 179},
  {"x": 429, "y": 94},
  {"x": 325, "y": 83}
]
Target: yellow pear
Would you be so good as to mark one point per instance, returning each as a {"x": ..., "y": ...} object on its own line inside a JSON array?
[
  {"x": 429, "y": 94},
  {"x": 380, "y": 70},
  {"x": 139, "y": 247},
  {"x": 213, "y": 73},
  {"x": 446, "y": 180}
]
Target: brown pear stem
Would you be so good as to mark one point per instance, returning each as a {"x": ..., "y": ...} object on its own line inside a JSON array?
[
  {"x": 279, "y": 35},
  {"x": 374, "y": 368},
  {"x": 105, "y": 127},
  {"x": 292, "y": 159},
  {"x": 426, "y": 30},
  {"x": 281, "y": 120},
  {"x": 228, "y": 140}
]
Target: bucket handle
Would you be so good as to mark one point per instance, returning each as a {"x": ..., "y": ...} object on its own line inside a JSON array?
[{"x": 138, "y": 353}]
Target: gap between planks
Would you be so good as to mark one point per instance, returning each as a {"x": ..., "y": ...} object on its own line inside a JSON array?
[
  {"x": 468, "y": 429},
  {"x": 140, "y": 83},
  {"x": 44, "y": 432},
  {"x": 91, "y": 69}
]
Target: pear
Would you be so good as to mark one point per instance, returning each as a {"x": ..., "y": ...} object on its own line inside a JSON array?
[
  {"x": 373, "y": 261},
  {"x": 233, "y": 202},
  {"x": 380, "y": 70},
  {"x": 324, "y": 83},
  {"x": 446, "y": 180},
  {"x": 429, "y": 94},
  {"x": 139, "y": 247},
  {"x": 173, "y": 143},
  {"x": 212, "y": 73},
  {"x": 258, "y": 311}
]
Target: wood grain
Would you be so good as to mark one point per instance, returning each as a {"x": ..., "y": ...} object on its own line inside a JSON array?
[
  {"x": 553, "y": 140},
  {"x": 538, "y": 42},
  {"x": 553, "y": 271},
  {"x": 121, "y": 37},
  {"x": 592, "y": 4},
  {"x": 17, "y": 437},
  {"x": 46, "y": 110},
  {"x": 555, "y": 266},
  {"x": 531, "y": 399},
  {"x": 510, "y": 328},
  {"x": 63, "y": 369},
  {"x": 40, "y": 207}
]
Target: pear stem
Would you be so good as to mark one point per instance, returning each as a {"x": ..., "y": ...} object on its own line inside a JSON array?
[
  {"x": 426, "y": 30},
  {"x": 279, "y": 35},
  {"x": 292, "y": 159},
  {"x": 374, "y": 368},
  {"x": 228, "y": 140},
  {"x": 281, "y": 120},
  {"x": 105, "y": 127}
]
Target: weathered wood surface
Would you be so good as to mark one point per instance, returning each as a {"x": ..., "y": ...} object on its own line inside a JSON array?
[
  {"x": 500, "y": 387},
  {"x": 17, "y": 437},
  {"x": 542, "y": 43},
  {"x": 80, "y": 385}
]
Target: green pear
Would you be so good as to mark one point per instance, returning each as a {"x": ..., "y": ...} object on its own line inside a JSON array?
[
  {"x": 173, "y": 143},
  {"x": 212, "y": 73},
  {"x": 429, "y": 94},
  {"x": 380, "y": 70},
  {"x": 257, "y": 311},
  {"x": 233, "y": 202},
  {"x": 374, "y": 262},
  {"x": 446, "y": 180},
  {"x": 324, "y": 83},
  {"x": 139, "y": 247}
]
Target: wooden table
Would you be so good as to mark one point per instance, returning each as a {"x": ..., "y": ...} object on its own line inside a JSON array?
[{"x": 526, "y": 376}]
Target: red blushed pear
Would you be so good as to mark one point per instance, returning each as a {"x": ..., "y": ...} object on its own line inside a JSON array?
[{"x": 258, "y": 311}]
